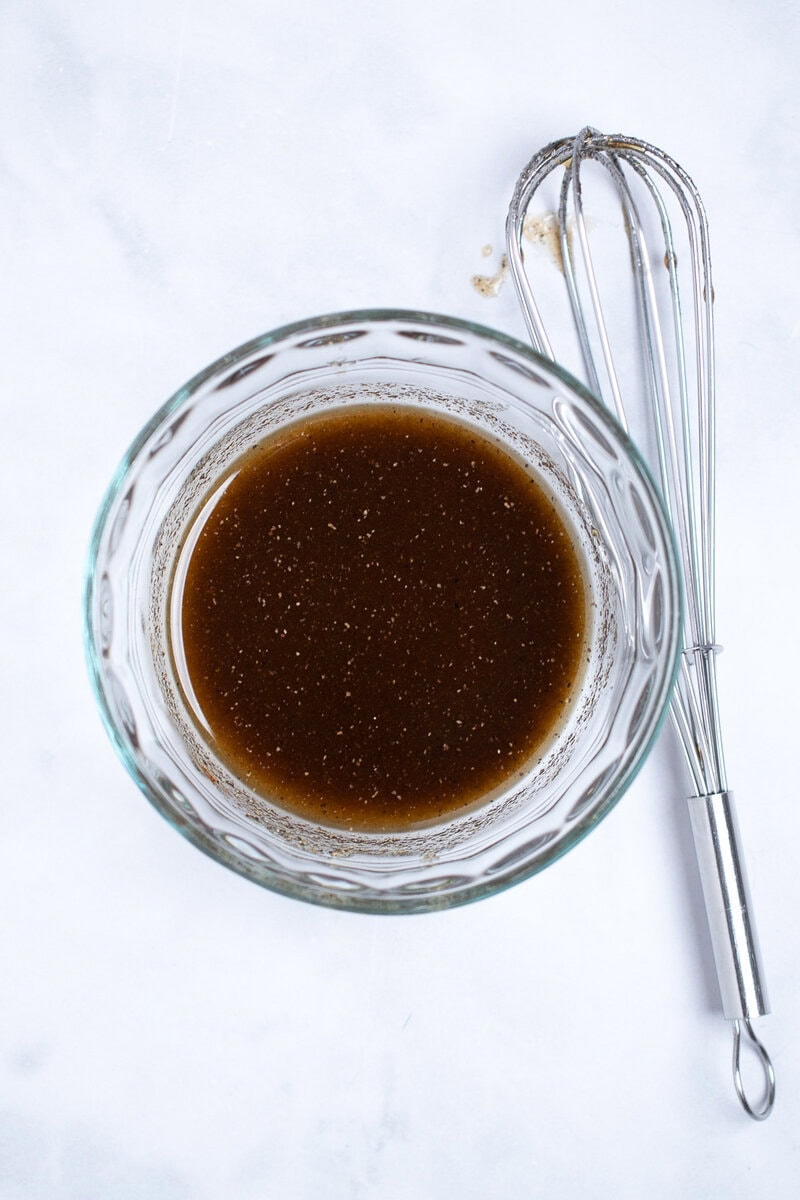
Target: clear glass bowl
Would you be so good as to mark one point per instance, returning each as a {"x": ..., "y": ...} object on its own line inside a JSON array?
[{"x": 505, "y": 390}]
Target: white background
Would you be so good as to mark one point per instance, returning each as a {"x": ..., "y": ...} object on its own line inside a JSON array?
[{"x": 177, "y": 176}]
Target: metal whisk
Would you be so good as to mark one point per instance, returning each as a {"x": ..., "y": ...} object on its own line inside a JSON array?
[{"x": 661, "y": 206}]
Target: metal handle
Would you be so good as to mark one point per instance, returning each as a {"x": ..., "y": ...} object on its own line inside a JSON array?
[
  {"x": 733, "y": 935},
  {"x": 728, "y": 904}
]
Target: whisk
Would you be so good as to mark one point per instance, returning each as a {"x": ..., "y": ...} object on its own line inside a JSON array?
[{"x": 676, "y": 376}]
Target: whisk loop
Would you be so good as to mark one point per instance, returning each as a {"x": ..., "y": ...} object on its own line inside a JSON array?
[
  {"x": 676, "y": 335},
  {"x": 761, "y": 1113}
]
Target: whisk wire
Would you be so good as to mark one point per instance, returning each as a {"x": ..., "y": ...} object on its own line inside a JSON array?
[
  {"x": 572, "y": 179},
  {"x": 697, "y": 521},
  {"x": 696, "y": 224}
]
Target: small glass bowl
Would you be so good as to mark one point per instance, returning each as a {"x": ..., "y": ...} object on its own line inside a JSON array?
[{"x": 504, "y": 390}]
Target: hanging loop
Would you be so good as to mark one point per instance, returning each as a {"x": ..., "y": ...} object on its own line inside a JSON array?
[{"x": 761, "y": 1113}]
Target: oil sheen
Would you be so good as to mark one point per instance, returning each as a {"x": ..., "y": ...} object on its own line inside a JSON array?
[{"x": 383, "y": 617}]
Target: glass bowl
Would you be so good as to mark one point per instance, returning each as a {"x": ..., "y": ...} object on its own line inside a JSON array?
[{"x": 504, "y": 390}]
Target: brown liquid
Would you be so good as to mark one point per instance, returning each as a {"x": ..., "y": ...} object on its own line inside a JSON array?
[{"x": 383, "y": 618}]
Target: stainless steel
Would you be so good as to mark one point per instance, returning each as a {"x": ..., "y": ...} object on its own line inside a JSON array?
[
  {"x": 728, "y": 906},
  {"x": 665, "y": 229},
  {"x": 761, "y": 1112}
]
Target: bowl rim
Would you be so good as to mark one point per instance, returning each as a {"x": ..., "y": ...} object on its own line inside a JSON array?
[{"x": 249, "y": 869}]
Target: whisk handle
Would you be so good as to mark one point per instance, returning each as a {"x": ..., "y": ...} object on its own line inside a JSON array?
[{"x": 728, "y": 905}]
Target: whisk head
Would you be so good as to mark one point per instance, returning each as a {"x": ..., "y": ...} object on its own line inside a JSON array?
[{"x": 660, "y": 385}]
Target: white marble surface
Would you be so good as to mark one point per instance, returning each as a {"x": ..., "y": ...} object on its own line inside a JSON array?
[{"x": 177, "y": 176}]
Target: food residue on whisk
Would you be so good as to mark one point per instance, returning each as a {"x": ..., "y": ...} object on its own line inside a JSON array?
[
  {"x": 489, "y": 285},
  {"x": 545, "y": 230},
  {"x": 542, "y": 230}
]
